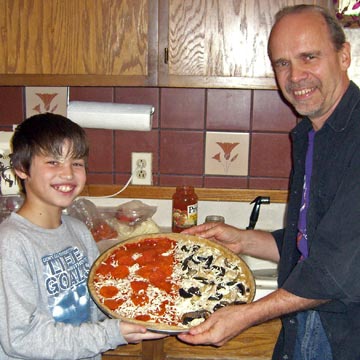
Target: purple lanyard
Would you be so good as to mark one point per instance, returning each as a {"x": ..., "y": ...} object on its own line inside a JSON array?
[{"x": 302, "y": 240}]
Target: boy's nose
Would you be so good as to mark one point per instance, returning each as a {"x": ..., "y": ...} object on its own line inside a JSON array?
[{"x": 67, "y": 172}]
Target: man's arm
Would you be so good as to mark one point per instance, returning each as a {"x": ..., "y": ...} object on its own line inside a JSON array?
[{"x": 238, "y": 318}]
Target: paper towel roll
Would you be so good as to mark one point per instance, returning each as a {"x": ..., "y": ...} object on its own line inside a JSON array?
[{"x": 111, "y": 115}]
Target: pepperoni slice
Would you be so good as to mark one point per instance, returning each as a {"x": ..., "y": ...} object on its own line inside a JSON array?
[
  {"x": 113, "y": 304},
  {"x": 109, "y": 291}
]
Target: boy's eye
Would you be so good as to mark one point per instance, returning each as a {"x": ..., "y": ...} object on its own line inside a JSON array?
[
  {"x": 79, "y": 163},
  {"x": 53, "y": 162}
]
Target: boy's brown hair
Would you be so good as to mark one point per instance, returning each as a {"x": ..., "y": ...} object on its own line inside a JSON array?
[{"x": 45, "y": 134}]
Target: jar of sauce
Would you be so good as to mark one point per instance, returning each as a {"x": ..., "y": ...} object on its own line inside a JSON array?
[{"x": 184, "y": 208}]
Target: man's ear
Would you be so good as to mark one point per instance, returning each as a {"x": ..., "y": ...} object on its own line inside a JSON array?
[{"x": 345, "y": 56}]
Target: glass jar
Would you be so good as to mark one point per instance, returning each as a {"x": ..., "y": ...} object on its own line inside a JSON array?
[
  {"x": 184, "y": 208},
  {"x": 214, "y": 218}
]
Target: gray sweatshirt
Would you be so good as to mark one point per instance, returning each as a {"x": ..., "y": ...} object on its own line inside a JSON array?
[{"x": 45, "y": 308}]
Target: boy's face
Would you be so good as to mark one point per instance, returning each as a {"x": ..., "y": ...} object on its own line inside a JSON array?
[{"x": 54, "y": 181}]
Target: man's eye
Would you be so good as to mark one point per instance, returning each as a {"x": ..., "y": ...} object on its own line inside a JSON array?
[{"x": 281, "y": 64}]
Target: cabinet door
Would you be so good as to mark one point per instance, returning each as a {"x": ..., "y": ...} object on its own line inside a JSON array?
[
  {"x": 81, "y": 42},
  {"x": 208, "y": 43}
]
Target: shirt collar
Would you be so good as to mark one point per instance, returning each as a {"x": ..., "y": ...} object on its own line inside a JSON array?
[
  {"x": 339, "y": 119},
  {"x": 341, "y": 116}
]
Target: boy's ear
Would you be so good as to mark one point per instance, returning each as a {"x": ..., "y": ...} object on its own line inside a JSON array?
[{"x": 21, "y": 174}]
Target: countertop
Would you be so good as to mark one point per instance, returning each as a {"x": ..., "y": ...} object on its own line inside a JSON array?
[{"x": 256, "y": 343}]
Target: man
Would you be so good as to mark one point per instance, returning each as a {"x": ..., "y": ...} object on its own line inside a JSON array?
[{"x": 318, "y": 252}]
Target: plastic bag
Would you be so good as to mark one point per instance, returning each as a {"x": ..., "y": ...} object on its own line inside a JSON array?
[
  {"x": 97, "y": 223},
  {"x": 134, "y": 212},
  {"x": 8, "y": 204}
]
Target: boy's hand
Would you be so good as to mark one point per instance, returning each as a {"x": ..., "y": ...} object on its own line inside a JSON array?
[{"x": 134, "y": 333}]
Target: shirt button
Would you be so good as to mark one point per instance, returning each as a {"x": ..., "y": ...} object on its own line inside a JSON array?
[
  {"x": 292, "y": 321},
  {"x": 285, "y": 356}
]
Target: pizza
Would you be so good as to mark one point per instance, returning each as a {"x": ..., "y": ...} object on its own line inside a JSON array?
[{"x": 169, "y": 281}]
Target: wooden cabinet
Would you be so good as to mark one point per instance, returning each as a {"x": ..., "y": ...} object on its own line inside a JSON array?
[
  {"x": 257, "y": 343},
  {"x": 177, "y": 43},
  {"x": 82, "y": 42},
  {"x": 218, "y": 43}
]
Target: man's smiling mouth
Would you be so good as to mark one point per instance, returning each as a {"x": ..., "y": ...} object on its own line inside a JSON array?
[{"x": 303, "y": 92}]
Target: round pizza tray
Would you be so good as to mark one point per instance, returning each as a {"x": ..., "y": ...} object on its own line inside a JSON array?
[{"x": 158, "y": 327}]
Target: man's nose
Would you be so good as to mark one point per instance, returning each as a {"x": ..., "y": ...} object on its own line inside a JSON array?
[{"x": 297, "y": 73}]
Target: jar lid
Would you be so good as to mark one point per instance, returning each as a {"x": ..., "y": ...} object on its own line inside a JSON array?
[{"x": 214, "y": 218}]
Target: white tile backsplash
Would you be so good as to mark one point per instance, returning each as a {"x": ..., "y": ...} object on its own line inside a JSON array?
[{"x": 271, "y": 216}]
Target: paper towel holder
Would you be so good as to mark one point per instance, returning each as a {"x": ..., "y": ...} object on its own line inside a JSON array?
[{"x": 112, "y": 116}]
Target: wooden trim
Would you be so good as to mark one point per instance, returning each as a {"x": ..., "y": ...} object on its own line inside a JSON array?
[{"x": 205, "y": 194}]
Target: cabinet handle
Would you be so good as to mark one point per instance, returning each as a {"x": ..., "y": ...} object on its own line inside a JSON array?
[{"x": 166, "y": 55}]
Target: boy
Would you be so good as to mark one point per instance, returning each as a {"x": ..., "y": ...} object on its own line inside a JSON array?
[{"x": 45, "y": 257}]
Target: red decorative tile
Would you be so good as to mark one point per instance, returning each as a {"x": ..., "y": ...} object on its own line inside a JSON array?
[
  {"x": 271, "y": 112},
  {"x": 181, "y": 152},
  {"x": 127, "y": 142},
  {"x": 225, "y": 182},
  {"x": 228, "y": 109},
  {"x": 227, "y": 153},
  {"x": 91, "y": 93},
  {"x": 101, "y": 150},
  {"x": 270, "y": 155},
  {"x": 182, "y": 108},
  {"x": 178, "y": 180},
  {"x": 269, "y": 183},
  {"x": 140, "y": 95},
  {"x": 11, "y": 105}
]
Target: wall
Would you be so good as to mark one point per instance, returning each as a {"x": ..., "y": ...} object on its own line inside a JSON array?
[{"x": 177, "y": 139}]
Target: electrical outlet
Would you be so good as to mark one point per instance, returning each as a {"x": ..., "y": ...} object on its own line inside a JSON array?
[{"x": 141, "y": 168}]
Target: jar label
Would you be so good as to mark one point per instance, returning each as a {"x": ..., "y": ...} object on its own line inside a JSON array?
[{"x": 185, "y": 218}]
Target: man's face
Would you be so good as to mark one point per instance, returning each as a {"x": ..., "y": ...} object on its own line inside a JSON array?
[{"x": 311, "y": 74}]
